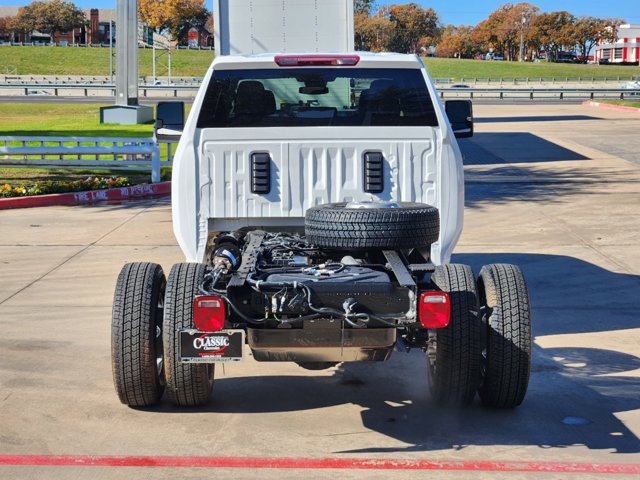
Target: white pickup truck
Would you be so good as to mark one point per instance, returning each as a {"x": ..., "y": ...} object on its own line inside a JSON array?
[{"x": 317, "y": 199}]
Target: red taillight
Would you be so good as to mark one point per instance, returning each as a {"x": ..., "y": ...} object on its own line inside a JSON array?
[
  {"x": 434, "y": 309},
  {"x": 208, "y": 313},
  {"x": 317, "y": 60}
]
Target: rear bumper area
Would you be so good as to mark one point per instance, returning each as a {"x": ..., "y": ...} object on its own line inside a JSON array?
[{"x": 321, "y": 344}]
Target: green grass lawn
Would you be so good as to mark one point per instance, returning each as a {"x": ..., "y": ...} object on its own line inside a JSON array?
[
  {"x": 457, "y": 69},
  {"x": 78, "y": 120},
  {"x": 624, "y": 103},
  {"x": 58, "y": 119},
  {"x": 95, "y": 61}
]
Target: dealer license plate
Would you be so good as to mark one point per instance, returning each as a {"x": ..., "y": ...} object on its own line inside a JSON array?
[{"x": 211, "y": 347}]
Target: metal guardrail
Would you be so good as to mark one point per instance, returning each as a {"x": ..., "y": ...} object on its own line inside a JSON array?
[
  {"x": 82, "y": 152},
  {"x": 539, "y": 93},
  {"x": 54, "y": 89},
  {"x": 93, "y": 45},
  {"x": 49, "y": 80},
  {"x": 46, "y": 80},
  {"x": 473, "y": 92},
  {"x": 528, "y": 80}
]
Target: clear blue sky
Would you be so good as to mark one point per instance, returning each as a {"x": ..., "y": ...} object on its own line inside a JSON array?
[{"x": 468, "y": 12}]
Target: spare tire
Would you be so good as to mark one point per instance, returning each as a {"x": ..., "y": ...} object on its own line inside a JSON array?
[{"x": 369, "y": 225}]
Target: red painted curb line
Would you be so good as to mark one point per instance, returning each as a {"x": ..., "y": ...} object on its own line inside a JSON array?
[
  {"x": 318, "y": 463},
  {"x": 81, "y": 198},
  {"x": 609, "y": 106}
]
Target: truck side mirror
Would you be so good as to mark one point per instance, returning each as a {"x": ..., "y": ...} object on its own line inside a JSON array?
[{"x": 460, "y": 113}]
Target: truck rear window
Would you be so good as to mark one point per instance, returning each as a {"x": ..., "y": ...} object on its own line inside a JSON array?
[{"x": 303, "y": 97}]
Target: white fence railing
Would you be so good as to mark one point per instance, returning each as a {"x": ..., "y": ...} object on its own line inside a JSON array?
[{"x": 83, "y": 152}]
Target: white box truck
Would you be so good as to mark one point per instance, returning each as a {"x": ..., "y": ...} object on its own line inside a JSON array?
[
  {"x": 260, "y": 26},
  {"x": 318, "y": 197}
]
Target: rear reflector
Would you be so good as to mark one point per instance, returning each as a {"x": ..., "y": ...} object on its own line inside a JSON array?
[
  {"x": 317, "y": 60},
  {"x": 208, "y": 313},
  {"x": 434, "y": 310}
]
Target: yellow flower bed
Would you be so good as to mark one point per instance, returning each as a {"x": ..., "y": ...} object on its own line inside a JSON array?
[{"x": 50, "y": 186}]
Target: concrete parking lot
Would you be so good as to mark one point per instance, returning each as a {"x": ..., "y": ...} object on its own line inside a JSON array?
[{"x": 555, "y": 189}]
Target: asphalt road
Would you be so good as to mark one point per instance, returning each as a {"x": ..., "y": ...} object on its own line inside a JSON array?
[{"x": 545, "y": 190}]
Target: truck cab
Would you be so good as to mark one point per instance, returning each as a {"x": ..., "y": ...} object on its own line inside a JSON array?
[{"x": 312, "y": 120}]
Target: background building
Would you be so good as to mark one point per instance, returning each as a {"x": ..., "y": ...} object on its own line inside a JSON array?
[
  {"x": 100, "y": 22},
  {"x": 95, "y": 31},
  {"x": 624, "y": 50}
]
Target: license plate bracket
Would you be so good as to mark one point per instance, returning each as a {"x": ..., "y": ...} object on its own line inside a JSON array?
[{"x": 211, "y": 347}]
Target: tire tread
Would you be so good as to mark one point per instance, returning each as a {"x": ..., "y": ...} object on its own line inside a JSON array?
[
  {"x": 508, "y": 336},
  {"x": 133, "y": 354},
  {"x": 458, "y": 345},
  {"x": 412, "y": 225},
  {"x": 187, "y": 384}
]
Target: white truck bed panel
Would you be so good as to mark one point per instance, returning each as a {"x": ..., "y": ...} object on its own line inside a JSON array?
[{"x": 306, "y": 174}]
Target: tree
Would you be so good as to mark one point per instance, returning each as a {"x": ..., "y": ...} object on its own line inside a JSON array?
[
  {"x": 504, "y": 27},
  {"x": 554, "y": 30},
  {"x": 480, "y": 36},
  {"x": 457, "y": 42},
  {"x": 209, "y": 24},
  {"x": 49, "y": 17},
  {"x": 518, "y": 21},
  {"x": 7, "y": 27},
  {"x": 586, "y": 32},
  {"x": 363, "y": 6},
  {"x": 173, "y": 16},
  {"x": 372, "y": 33},
  {"x": 414, "y": 28},
  {"x": 610, "y": 32}
]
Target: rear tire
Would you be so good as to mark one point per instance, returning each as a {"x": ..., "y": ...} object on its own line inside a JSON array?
[
  {"x": 506, "y": 309},
  {"x": 136, "y": 346},
  {"x": 454, "y": 360},
  {"x": 188, "y": 384}
]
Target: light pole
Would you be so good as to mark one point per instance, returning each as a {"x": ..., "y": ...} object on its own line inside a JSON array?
[
  {"x": 521, "y": 56},
  {"x": 111, "y": 51},
  {"x": 126, "y": 110},
  {"x": 126, "y": 52}
]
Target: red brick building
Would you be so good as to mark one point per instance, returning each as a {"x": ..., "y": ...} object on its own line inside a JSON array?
[{"x": 95, "y": 31}]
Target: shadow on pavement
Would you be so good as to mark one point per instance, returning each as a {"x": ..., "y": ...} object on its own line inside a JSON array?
[
  {"x": 512, "y": 172},
  {"x": 507, "y": 184},
  {"x": 536, "y": 118},
  {"x": 503, "y": 184},
  {"x": 513, "y": 147},
  {"x": 556, "y": 394},
  {"x": 592, "y": 385},
  {"x": 570, "y": 295}
]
